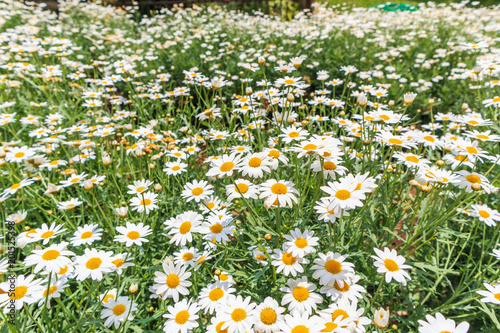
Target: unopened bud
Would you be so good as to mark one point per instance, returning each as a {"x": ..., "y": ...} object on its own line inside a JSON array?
[
  {"x": 261, "y": 61},
  {"x": 476, "y": 187},
  {"x": 158, "y": 187},
  {"x": 440, "y": 163},
  {"x": 106, "y": 160},
  {"x": 88, "y": 185},
  {"x": 268, "y": 237},
  {"x": 248, "y": 90},
  {"x": 134, "y": 287}
]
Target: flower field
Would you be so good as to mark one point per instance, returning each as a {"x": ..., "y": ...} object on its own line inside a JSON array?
[{"x": 207, "y": 170}]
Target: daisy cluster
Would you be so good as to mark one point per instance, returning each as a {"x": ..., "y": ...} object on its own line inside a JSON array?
[{"x": 208, "y": 170}]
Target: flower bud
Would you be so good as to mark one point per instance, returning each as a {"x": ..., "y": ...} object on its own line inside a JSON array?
[
  {"x": 122, "y": 211},
  {"x": 409, "y": 98},
  {"x": 106, "y": 160},
  {"x": 134, "y": 287},
  {"x": 362, "y": 100},
  {"x": 158, "y": 187},
  {"x": 88, "y": 185},
  {"x": 261, "y": 61},
  {"x": 381, "y": 318},
  {"x": 248, "y": 90}
]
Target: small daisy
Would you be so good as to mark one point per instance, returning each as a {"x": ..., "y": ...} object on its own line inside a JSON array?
[
  {"x": 185, "y": 225},
  {"x": 242, "y": 188},
  {"x": 224, "y": 165},
  {"x": 133, "y": 234},
  {"x": 197, "y": 190},
  {"x": 54, "y": 291},
  {"x": 214, "y": 295},
  {"x": 175, "y": 168},
  {"x": 343, "y": 195},
  {"x": 237, "y": 314},
  {"x": 144, "y": 202},
  {"x": 46, "y": 233},
  {"x": 267, "y": 316},
  {"x": 332, "y": 267},
  {"x": 301, "y": 323},
  {"x": 301, "y": 243},
  {"x": 25, "y": 291},
  {"x": 51, "y": 259},
  {"x": 87, "y": 234},
  {"x": 118, "y": 311},
  {"x": 93, "y": 264},
  {"x": 139, "y": 186},
  {"x": 70, "y": 204},
  {"x": 486, "y": 214},
  {"x": 286, "y": 262},
  {"x": 279, "y": 193},
  {"x": 300, "y": 296},
  {"x": 172, "y": 281},
  {"x": 390, "y": 263},
  {"x": 492, "y": 295},
  {"x": 255, "y": 165},
  {"x": 440, "y": 324},
  {"x": 121, "y": 261},
  {"x": 182, "y": 317}
]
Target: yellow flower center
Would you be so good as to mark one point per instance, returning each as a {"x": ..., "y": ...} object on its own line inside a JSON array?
[
  {"x": 391, "y": 265},
  {"x": 51, "y": 255},
  {"x": 333, "y": 266},
  {"x": 197, "y": 191},
  {"x": 119, "y": 309},
  {"x": 107, "y": 298},
  {"x": 93, "y": 263},
  {"x": 268, "y": 316},
  {"x": 329, "y": 327},
  {"x": 279, "y": 188},
  {"x": 345, "y": 288},
  {"x": 300, "y": 294},
  {"x": 274, "y": 154},
  {"x": 343, "y": 194},
  {"x": 497, "y": 296},
  {"x": 185, "y": 228},
  {"x": 47, "y": 234},
  {"x": 216, "y": 294},
  {"x": 310, "y": 146},
  {"x": 218, "y": 327},
  {"x": 19, "y": 292},
  {"x": 288, "y": 259},
  {"x": 182, "y": 317},
  {"x": 339, "y": 312},
  {"x": 395, "y": 141},
  {"x": 225, "y": 167},
  {"x": 19, "y": 154},
  {"x": 173, "y": 281},
  {"x": 86, "y": 235},
  {"x": 472, "y": 150},
  {"x": 133, "y": 235},
  {"x": 51, "y": 290},
  {"x": 255, "y": 162},
  {"x": 140, "y": 189},
  {"x": 473, "y": 179},
  {"x": 429, "y": 138},
  {"x": 243, "y": 188},
  {"x": 301, "y": 243},
  {"x": 216, "y": 228},
  {"x": 328, "y": 165},
  {"x": 300, "y": 329},
  {"x": 238, "y": 315},
  {"x": 145, "y": 202},
  {"x": 187, "y": 256},
  {"x": 293, "y": 134},
  {"x": 15, "y": 186},
  {"x": 412, "y": 159},
  {"x": 176, "y": 168},
  {"x": 118, "y": 262},
  {"x": 484, "y": 214}
]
